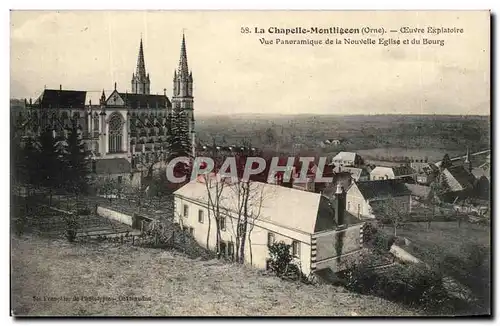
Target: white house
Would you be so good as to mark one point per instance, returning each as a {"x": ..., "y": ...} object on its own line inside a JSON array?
[
  {"x": 395, "y": 172},
  {"x": 347, "y": 159},
  {"x": 363, "y": 196},
  {"x": 321, "y": 232}
]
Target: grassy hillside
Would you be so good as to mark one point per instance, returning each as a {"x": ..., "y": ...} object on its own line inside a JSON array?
[{"x": 175, "y": 285}]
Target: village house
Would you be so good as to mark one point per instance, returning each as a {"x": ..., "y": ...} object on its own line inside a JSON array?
[
  {"x": 426, "y": 172},
  {"x": 483, "y": 181},
  {"x": 322, "y": 234},
  {"x": 357, "y": 174},
  {"x": 115, "y": 170},
  {"x": 460, "y": 182},
  {"x": 347, "y": 159},
  {"x": 395, "y": 172},
  {"x": 363, "y": 196}
]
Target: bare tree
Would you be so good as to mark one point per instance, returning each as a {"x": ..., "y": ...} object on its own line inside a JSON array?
[
  {"x": 249, "y": 197},
  {"x": 390, "y": 210}
]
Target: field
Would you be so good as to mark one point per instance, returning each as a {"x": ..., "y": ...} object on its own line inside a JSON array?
[
  {"x": 432, "y": 136},
  {"x": 433, "y": 155},
  {"x": 169, "y": 283},
  {"x": 443, "y": 238}
]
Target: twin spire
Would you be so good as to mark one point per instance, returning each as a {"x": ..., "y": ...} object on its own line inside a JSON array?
[{"x": 140, "y": 80}]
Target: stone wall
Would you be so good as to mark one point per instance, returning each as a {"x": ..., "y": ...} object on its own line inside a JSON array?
[{"x": 114, "y": 215}]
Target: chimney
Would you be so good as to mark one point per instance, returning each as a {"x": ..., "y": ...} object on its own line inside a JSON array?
[
  {"x": 339, "y": 205},
  {"x": 164, "y": 92},
  {"x": 60, "y": 87}
]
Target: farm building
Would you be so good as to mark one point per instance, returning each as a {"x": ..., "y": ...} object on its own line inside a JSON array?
[
  {"x": 116, "y": 170},
  {"x": 363, "y": 196},
  {"x": 396, "y": 172},
  {"x": 357, "y": 174},
  {"x": 322, "y": 234},
  {"x": 347, "y": 159}
]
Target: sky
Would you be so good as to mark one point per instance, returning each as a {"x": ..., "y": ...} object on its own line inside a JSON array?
[{"x": 235, "y": 74}]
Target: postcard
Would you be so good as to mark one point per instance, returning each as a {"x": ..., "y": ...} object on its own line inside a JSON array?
[{"x": 250, "y": 163}]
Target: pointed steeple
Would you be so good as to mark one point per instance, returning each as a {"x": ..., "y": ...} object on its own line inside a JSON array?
[
  {"x": 103, "y": 98},
  {"x": 183, "y": 63},
  {"x": 140, "y": 80},
  {"x": 140, "y": 71},
  {"x": 467, "y": 156}
]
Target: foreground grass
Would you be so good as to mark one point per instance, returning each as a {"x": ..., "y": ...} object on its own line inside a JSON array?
[{"x": 175, "y": 284}]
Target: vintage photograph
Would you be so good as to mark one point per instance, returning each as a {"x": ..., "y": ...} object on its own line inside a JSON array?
[{"x": 250, "y": 163}]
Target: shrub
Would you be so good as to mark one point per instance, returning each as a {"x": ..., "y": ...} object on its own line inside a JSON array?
[
  {"x": 71, "y": 228},
  {"x": 413, "y": 285},
  {"x": 282, "y": 264}
]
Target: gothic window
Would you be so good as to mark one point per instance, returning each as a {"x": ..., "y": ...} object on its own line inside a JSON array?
[
  {"x": 96, "y": 123},
  {"x": 115, "y": 134}
]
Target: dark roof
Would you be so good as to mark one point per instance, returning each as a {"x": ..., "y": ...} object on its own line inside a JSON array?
[
  {"x": 463, "y": 177},
  {"x": 403, "y": 170},
  {"x": 325, "y": 220},
  {"x": 56, "y": 98},
  {"x": 418, "y": 190},
  {"x": 143, "y": 100},
  {"x": 382, "y": 188},
  {"x": 112, "y": 166}
]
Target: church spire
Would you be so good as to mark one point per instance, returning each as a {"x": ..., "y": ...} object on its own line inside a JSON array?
[
  {"x": 141, "y": 66},
  {"x": 467, "y": 156},
  {"x": 183, "y": 63},
  {"x": 140, "y": 81}
]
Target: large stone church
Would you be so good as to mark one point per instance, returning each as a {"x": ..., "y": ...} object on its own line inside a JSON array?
[{"x": 124, "y": 129}]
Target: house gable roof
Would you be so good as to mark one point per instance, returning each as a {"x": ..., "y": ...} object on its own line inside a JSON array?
[
  {"x": 462, "y": 176},
  {"x": 382, "y": 188},
  {"x": 345, "y": 156},
  {"x": 286, "y": 207},
  {"x": 325, "y": 220},
  {"x": 403, "y": 170}
]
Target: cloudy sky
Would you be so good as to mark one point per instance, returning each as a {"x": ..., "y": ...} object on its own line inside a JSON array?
[{"x": 234, "y": 74}]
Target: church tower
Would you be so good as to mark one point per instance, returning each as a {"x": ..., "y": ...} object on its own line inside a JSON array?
[
  {"x": 140, "y": 80},
  {"x": 183, "y": 91}
]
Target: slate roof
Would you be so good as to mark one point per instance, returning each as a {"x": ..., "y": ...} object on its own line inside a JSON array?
[
  {"x": 55, "y": 98},
  {"x": 403, "y": 170},
  {"x": 325, "y": 220},
  {"x": 136, "y": 101},
  {"x": 112, "y": 166},
  {"x": 382, "y": 188},
  {"x": 462, "y": 176},
  {"x": 355, "y": 172}
]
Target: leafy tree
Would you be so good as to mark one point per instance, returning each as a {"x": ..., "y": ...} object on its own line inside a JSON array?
[
  {"x": 178, "y": 136},
  {"x": 446, "y": 162},
  {"x": 49, "y": 165},
  {"x": 76, "y": 161},
  {"x": 25, "y": 162},
  {"x": 390, "y": 211},
  {"x": 179, "y": 144}
]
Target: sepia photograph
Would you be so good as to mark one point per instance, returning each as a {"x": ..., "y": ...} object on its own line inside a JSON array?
[{"x": 250, "y": 163}]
